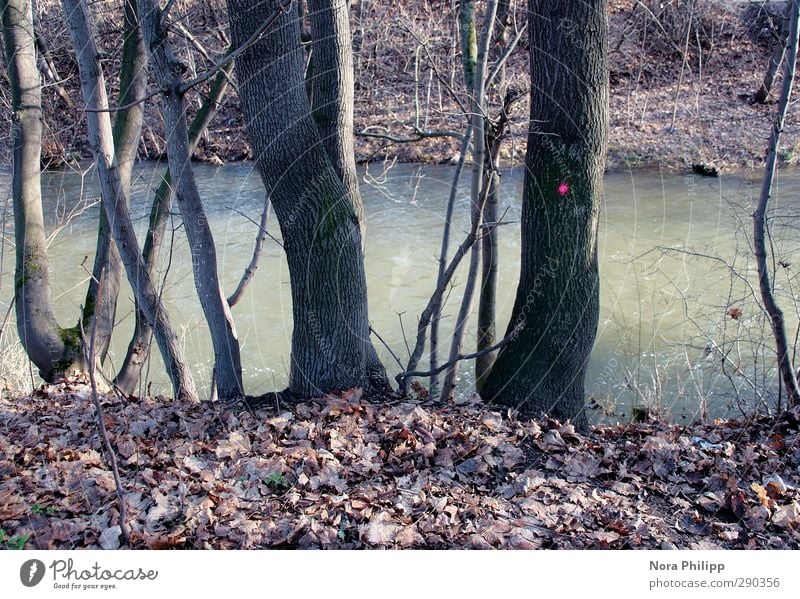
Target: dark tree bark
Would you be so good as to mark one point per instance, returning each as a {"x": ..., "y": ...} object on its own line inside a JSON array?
[
  {"x": 227, "y": 359},
  {"x": 332, "y": 89},
  {"x": 785, "y": 367},
  {"x": 49, "y": 347},
  {"x": 761, "y": 95},
  {"x": 115, "y": 202},
  {"x": 99, "y": 316},
  {"x": 331, "y": 348},
  {"x": 542, "y": 369},
  {"x": 139, "y": 346}
]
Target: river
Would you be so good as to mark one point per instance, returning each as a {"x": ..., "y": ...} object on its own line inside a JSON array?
[{"x": 665, "y": 323}]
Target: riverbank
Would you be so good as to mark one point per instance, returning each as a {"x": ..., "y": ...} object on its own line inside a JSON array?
[
  {"x": 341, "y": 472},
  {"x": 675, "y": 101}
]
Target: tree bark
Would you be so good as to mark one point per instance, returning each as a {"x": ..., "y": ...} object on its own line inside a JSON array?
[
  {"x": 332, "y": 89},
  {"x": 115, "y": 203},
  {"x": 542, "y": 369},
  {"x": 99, "y": 316},
  {"x": 227, "y": 359},
  {"x": 139, "y": 346},
  {"x": 487, "y": 296},
  {"x": 785, "y": 367},
  {"x": 761, "y": 95},
  {"x": 331, "y": 347},
  {"x": 49, "y": 347}
]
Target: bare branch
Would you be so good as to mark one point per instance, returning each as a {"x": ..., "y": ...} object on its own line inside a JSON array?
[
  {"x": 281, "y": 7},
  {"x": 250, "y": 271},
  {"x": 403, "y": 376}
]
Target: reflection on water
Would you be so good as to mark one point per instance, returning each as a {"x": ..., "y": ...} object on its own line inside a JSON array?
[{"x": 663, "y": 328}]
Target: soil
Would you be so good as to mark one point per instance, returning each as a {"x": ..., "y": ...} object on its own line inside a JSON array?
[{"x": 676, "y": 100}]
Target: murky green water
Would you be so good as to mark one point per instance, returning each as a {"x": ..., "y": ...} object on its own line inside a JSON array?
[{"x": 661, "y": 309}]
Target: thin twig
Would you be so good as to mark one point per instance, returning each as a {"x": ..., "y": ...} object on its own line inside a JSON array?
[
  {"x": 280, "y": 8},
  {"x": 460, "y": 357},
  {"x": 89, "y": 353},
  {"x": 386, "y": 345},
  {"x": 263, "y": 229},
  {"x": 250, "y": 271}
]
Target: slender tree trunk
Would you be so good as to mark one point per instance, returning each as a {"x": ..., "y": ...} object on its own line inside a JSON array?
[
  {"x": 107, "y": 271},
  {"x": 139, "y": 347},
  {"x": 487, "y": 296},
  {"x": 477, "y": 195},
  {"x": 46, "y": 64},
  {"x": 436, "y": 309},
  {"x": 775, "y": 60},
  {"x": 542, "y": 369},
  {"x": 785, "y": 367},
  {"x": 227, "y": 359},
  {"x": 468, "y": 36},
  {"x": 49, "y": 347},
  {"x": 114, "y": 201},
  {"x": 320, "y": 224},
  {"x": 469, "y": 42}
]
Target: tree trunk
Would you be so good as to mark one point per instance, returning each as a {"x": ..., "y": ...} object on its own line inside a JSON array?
[
  {"x": 49, "y": 347},
  {"x": 487, "y": 297},
  {"x": 762, "y": 93},
  {"x": 477, "y": 194},
  {"x": 227, "y": 359},
  {"x": 139, "y": 346},
  {"x": 542, "y": 368},
  {"x": 107, "y": 270},
  {"x": 332, "y": 89},
  {"x": 331, "y": 348},
  {"x": 785, "y": 367},
  {"x": 115, "y": 203}
]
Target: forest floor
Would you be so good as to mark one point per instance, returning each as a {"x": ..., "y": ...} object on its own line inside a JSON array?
[
  {"x": 342, "y": 472},
  {"x": 676, "y": 100}
]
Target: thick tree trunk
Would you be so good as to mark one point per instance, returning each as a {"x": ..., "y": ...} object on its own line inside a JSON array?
[
  {"x": 227, "y": 359},
  {"x": 107, "y": 271},
  {"x": 332, "y": 89},
  {"x": 785, "y": 367},
  {"x": 115, "y": 203},
  {"x": 320, "y": 224},
  {"x": 542, "y": 369},
  {"x": 49, "y": 347},
  {"x": 139, "y": 347}
]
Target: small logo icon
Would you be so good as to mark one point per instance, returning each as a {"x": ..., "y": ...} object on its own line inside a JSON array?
[{"x": 31, "y": 572}]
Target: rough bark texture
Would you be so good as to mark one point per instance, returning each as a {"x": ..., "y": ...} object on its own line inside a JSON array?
[
  {"x": 115, "y": 203},
  {"x": 785, "y": 367},
  {"x": 332, "y": 89},
  {"x": 130, "y": 373},
  {"x": 227, "y": 359},
  {"x": 49, "y": 347},
  {"x": 331, "y": 348},
  {"x": 542, "y": 369},
  {"x": 100, "y": 306}
]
